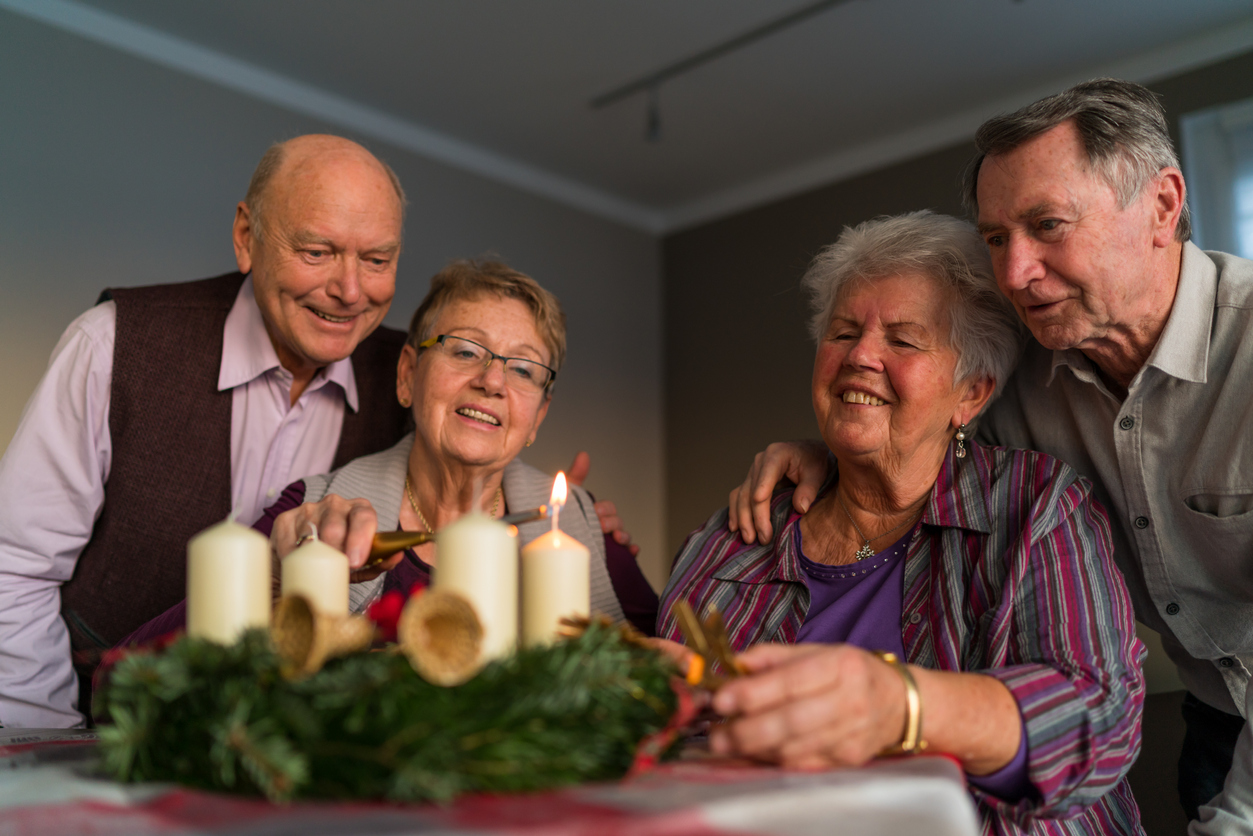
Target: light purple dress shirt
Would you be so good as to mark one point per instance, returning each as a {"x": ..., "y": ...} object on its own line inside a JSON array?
[{"x": 53, "y": 476}]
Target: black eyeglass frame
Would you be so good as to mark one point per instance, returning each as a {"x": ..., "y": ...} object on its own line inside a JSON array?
[{"x": 491, "y": 355}]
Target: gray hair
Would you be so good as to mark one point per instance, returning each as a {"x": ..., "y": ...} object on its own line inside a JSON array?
[
  {"x": 984, "y": 330},
  {"x": 271, "y": 162},
  {"x": 1121, "y": 124}
]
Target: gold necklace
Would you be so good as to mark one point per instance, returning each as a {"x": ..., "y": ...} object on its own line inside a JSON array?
[
  {"x": 865, "y": 551},
  {"x": 413, "y": 503}
]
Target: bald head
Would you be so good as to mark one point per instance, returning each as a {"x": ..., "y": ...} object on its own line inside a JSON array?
[
  {"x": 319, "y": 232},
  {"x": 302, "y": 155}
]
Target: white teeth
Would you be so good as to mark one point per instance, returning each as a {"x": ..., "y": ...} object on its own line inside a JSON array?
[
  {"x": 478, "y": 416},
  {"x": 862, "y": 397},
  {"x": 330, "y": 318}
]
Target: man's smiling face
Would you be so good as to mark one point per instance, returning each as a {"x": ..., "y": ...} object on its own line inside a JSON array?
[{"x": 323, "y": 263}]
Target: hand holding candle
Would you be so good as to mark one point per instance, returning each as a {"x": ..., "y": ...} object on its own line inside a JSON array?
[{"x": 555, "y": 578}]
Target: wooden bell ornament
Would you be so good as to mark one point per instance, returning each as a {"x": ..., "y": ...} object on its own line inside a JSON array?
[
  {"x": 306, "y": 638},
  {"x": 442, "y": 637}
]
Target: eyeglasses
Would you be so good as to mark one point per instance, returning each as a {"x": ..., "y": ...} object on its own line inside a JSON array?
[{"x": 466, "y": 355}]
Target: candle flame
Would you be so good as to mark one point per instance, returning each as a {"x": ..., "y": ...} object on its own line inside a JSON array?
[
  {"x": 558, "y": 497},
  {"x": 559, "y": 491}
]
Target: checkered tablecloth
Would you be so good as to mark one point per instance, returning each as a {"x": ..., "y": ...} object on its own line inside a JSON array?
[{"x": 48, "y": 785}]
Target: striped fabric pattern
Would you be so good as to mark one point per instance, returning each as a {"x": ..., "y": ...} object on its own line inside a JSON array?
[{"x": 1011, "y": 574}]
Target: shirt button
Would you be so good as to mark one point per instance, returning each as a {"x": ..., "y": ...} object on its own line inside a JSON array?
[
  {"x": 1227, "y": 662},
  {"x": 1127, "y": 422},
  {"x": 1172, "y": 608},
  {"x": 915, "y": 619},
  {"x": 271, "y": 493},
  {"x": 1142, "y": 522}
]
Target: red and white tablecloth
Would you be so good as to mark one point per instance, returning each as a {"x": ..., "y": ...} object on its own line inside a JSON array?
[{"x": 47, "y": 787}]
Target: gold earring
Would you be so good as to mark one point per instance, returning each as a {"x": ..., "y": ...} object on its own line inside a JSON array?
[
  {"x": 404, "y": 402},
  {"x": 528, "y": 443}
]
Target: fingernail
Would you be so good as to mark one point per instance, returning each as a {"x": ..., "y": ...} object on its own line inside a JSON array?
[
  {"x": 804, "y": 506},
  {"x": 724, "y": 703}
]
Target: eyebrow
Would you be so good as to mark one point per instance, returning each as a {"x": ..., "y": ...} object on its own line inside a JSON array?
[
  {"x": 304, "y": 239},
  {"x": 1032, "y": 213}
]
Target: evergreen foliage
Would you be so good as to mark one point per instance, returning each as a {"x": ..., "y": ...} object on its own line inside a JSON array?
[{"x": 367, "y": 726}]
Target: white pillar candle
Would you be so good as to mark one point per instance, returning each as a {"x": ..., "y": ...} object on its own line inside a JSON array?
[
  {"x": 320, "y": 573},
  {"x": 555, "y": 584},
  {"x": 228, "y": 582},
  {"x": 478, "y": 557}
]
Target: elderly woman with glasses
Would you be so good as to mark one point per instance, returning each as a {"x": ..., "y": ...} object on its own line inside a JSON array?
[
  {"x": 937, "y": 594},
  {"x": 477, "y": 371}
]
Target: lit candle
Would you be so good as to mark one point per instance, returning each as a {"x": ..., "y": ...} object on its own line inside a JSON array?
[
  {"x": 477, "y": 556},
  {"x": 320, "y": 573},
  {"x": 555, "y": 578},
  {"x": 228, "y": 582}
]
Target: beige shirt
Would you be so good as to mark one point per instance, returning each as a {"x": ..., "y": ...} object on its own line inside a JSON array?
[{"x": 1172, "y": 464}]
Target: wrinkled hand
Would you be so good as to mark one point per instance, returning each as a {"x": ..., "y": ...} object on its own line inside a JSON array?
[
  {"x": 606, "y": 511},
  {"x": 345, "y": 524},
  {"x": 810, "y": 706},
  {"x": 802, "y": 462}
]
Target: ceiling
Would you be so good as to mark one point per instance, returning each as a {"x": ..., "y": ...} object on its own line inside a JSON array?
[{"x": 503, "y": 87}]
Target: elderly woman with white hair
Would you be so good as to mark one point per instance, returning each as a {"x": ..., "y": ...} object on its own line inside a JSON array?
[{"x": 937, "y": 594}]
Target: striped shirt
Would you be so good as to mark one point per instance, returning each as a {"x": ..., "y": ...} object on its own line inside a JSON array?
[{"x": 1010, "y": 575}]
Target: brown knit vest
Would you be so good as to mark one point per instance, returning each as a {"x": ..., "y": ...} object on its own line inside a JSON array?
[{"x": 171, "y": 470}]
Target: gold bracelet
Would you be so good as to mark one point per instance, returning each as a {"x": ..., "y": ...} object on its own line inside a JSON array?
[{"x": 911, "y": 738}]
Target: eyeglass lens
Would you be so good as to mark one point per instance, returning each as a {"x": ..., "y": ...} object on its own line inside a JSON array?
[{"x": 519, "y": 373}]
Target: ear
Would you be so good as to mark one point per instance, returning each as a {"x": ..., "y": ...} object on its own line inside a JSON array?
[
  {"x": 540, "y": 416},
  {"x": 404, "y": 373},
  {"x": 1169, "y": 194},
  {"x": 975, "y": 397},
  {"x": 242, "y": 237}
]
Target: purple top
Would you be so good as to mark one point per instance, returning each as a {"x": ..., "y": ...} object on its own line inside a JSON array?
[
  {"x": 861, "y": 604},
  {"x": 635, "y": 594}
]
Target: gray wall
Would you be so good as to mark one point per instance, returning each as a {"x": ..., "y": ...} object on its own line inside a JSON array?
[
  {"x": 114, "y": 171},
  {"x": 738, "y": 360}
]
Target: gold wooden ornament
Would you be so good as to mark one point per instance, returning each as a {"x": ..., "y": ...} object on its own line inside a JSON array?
[
  {"x": 442, "y": 637},
  {"x": 305, "y": 638}
]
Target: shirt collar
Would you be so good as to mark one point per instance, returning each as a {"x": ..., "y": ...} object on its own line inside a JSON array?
[
  {"x": 959, "y": 499},
  {"x": 247, "y": 352},
  {"x": 1182, "y": 351}
]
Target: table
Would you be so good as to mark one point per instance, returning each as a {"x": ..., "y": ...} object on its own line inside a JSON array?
[{"x": 49, "y": 785}]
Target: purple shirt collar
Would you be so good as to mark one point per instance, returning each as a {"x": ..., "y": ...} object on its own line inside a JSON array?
[{"x": 247, "y": 352}]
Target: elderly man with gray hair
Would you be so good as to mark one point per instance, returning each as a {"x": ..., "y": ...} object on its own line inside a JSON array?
[{"x": 1138, "y": 377}]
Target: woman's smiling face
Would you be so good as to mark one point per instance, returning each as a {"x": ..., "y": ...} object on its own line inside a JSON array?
[
  {"x": 883, "y": 387},
  {"x": 476, "y": 418}
]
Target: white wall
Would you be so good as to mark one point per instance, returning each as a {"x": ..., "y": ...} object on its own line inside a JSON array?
[{"x": 114, "y": 171}]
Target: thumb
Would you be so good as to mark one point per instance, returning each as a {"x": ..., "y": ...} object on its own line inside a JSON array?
[{"x": 579, "y": 468}]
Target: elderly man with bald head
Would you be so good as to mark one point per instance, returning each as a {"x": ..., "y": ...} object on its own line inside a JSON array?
[{"x": 164, "y": 408}]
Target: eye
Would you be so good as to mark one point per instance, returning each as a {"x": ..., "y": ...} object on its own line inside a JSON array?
[
  {"x": 522, "y": 371},
  {"x": 994, "y": 241}
]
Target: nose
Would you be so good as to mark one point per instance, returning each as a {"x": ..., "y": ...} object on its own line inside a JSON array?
[
  {"x": 1017, "y": 263},
  {"x": 345, "y": 284},
  {"x": 865, "y": 353},
  {"x": 491, "y": 378}
]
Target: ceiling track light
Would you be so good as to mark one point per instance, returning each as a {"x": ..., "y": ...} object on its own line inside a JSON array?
[{"x": 651, "y": 83}]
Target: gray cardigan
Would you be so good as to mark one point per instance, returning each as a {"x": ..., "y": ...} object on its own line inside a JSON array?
[{"x": 380, "y": 479}]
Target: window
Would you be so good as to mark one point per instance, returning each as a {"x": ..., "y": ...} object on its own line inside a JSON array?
[{"x": 1218, "y": 166}]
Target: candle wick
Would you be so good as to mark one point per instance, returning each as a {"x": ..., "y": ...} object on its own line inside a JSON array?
[
  {"x": 234, "y": 513},
  {"x": 556, "y": 512},
  {"x": 313, "y": 532}
]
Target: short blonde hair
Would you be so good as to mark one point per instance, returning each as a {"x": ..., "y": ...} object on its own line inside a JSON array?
[{"x": 468, "y": 278}]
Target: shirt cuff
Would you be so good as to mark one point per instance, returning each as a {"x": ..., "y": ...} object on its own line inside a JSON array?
[{"x": 1011, "y": 782}]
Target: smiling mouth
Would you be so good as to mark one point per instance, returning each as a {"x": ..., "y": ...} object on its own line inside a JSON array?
[
  {"x": 475, "y": 415},
  {"x": 329, "y": 318},
  {"x": 862, "y": 397}
]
